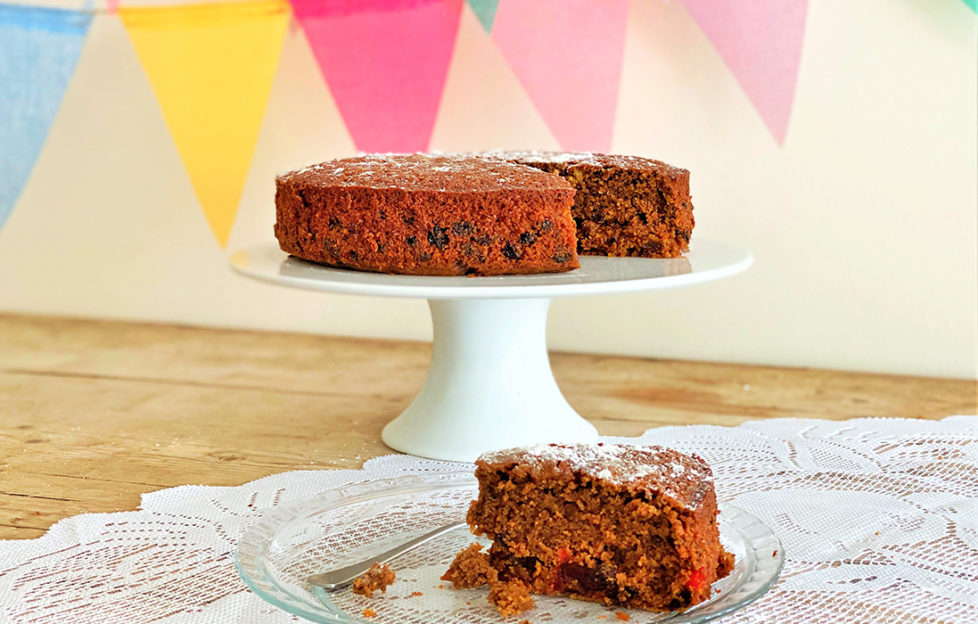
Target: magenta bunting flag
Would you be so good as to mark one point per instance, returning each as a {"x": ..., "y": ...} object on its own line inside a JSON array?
[
  {"x": 385, "y": 62},
  {"x": 760, "y": 41},
  {"x": 567, "y": 55}
]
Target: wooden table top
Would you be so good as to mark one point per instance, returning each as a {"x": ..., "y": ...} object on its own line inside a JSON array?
[{"x": 93, "y": 414}]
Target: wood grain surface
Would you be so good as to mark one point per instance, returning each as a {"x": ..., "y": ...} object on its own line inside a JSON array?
[{"x": 93, "y": 414}]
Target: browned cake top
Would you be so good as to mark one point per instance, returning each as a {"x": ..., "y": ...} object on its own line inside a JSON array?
[
  {"x": 450, "y": 173},
  {"x": 622, "y": 161},
  {"x": 685, "y": 478}
]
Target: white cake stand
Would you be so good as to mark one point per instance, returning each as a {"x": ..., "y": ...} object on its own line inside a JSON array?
[{"x": 489, "y": 385}]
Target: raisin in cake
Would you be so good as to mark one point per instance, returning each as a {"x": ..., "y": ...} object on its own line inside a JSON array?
[
  {"x": 622, "y": 525},
  {"x": 624, "y": 205},
  {"x": 428, "y": 215}
]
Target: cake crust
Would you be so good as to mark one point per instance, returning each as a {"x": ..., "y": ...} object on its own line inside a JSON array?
[{"x": 427, "y": 215}]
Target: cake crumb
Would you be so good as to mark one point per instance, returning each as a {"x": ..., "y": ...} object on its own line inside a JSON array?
[
  {"x": 525, "y": 622},
  {"x": 369, "y": 613},
  {"x": 726, "y": 563},
  {"x": 511, "y": 597},
  {"x": 471, "y": 568},
  {"x": 417, "y": 594},
  {"x": 377, "y": 577},
  {"x": 621, "y": 615}
]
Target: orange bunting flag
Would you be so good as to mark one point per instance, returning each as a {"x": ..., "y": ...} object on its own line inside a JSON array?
[{"x": 211, "y": 67}]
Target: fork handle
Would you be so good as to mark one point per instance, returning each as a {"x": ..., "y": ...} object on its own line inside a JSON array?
[{"x": 340, "y": 577}]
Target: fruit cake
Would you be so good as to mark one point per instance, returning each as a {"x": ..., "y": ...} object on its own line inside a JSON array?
[
  {"x": 622, "y": 525},
  {"x": 427, "y": 215},
  {"x": 624, "y": 205}
]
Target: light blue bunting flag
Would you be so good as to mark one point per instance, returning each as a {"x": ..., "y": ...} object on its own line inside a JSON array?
[
  {"x": 485, "y": 10},
  {"x": 38, "y": 51}
]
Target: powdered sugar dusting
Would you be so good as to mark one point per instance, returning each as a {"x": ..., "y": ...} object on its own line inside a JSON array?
[
  {"x": 539, "y": 159},
  {"x": 425, "y": 172},
  {"x": 683, "y": 477},
  {"x": 552, "y": 157}
]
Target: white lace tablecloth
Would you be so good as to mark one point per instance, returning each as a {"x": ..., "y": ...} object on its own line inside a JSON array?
[{"x": 878, "y": 517}]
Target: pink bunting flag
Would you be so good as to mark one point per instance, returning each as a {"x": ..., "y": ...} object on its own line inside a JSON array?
[
  {"x": 567, "y": 54},
  {"x": 385, "y": 62},
  {"x": 760, "y": 41}
]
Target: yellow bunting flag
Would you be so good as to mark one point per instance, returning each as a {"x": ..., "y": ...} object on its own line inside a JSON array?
[{"x": 211, "y": 67}]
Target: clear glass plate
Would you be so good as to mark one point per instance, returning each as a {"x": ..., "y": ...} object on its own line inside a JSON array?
[{"x": 339, "y": 527}]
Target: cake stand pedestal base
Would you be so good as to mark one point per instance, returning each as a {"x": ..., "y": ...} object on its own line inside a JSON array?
[{"x": 489, "y": 385}]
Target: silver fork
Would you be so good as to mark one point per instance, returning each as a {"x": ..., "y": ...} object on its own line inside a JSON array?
[{"x": 340, "y": 577}]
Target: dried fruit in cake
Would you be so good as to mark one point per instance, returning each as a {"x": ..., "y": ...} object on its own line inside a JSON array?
[
  {"x": 621, "y": 525},
  {"x": 378, "y": 577}
]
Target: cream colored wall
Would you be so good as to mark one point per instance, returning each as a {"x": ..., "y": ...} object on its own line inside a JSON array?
[{"x": 863, "y": 223}]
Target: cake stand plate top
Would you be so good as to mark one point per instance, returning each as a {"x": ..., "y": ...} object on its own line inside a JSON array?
[{"x": 706, "y": 260}]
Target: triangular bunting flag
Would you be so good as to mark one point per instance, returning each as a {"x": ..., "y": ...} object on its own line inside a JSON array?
[
  {"x": 486, "y": 11},
  {"x": 760, "y": 42},
  {"x": 972, "y": 4},
  {"x": 481, "y": 85},
  {"x": 211, "y": 67},
  {"x": 39, "y": 48},
  {"x": 112, "y": 5},
  {"x": 385, "y": 62},
  {"x": 568, "y": 56}
]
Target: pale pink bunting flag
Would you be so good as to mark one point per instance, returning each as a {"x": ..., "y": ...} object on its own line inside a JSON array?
[
  {"x": 567, "y": 55},
  {"x": 112, "y": 5},
  {"x": 385, "y": 63},
  {"x": 760, "y": 41}
]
